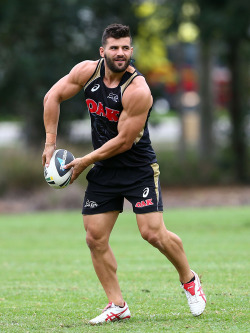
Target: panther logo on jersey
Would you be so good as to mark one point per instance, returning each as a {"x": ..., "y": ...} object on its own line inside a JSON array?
[{"x": 114, "y": 97}]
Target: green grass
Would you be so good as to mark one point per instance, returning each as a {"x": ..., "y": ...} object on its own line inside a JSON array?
[{"x": 47, "y": 283}]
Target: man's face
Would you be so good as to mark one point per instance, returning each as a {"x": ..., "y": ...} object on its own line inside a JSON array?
[{"x": 117, "y": 54}]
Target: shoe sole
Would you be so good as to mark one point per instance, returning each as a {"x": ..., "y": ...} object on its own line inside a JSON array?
[{"x": 110, "y": 321}]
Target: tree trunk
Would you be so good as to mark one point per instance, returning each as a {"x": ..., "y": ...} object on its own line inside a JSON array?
[
  {"x": 237, "y": 113},
  {"x": 206, "y": 105}
]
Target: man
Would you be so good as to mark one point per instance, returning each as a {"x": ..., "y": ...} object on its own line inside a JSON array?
[{"x": 119, "y": 102}]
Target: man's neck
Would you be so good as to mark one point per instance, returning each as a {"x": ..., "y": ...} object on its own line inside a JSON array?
[{"x": 112, "y": 79}]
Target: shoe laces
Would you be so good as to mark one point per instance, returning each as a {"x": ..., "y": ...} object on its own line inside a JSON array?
[{"x": 107, "y": 307}]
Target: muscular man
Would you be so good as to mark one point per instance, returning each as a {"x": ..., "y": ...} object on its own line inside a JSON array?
[{"x": 124, "y": 165}]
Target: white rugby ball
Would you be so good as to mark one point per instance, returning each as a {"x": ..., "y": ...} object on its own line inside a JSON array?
[{"x": 55, "y": 174}]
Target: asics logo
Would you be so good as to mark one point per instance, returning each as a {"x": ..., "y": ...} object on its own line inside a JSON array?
[
  {"x": 145, "y": 192},
  {"x": 202, "y": 294},
  {"x": 116, "y": 316},
  {"x": 96, "y": 87}
]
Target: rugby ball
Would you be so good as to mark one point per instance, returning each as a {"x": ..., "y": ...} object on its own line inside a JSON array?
[{"x": 55, "y": 174}]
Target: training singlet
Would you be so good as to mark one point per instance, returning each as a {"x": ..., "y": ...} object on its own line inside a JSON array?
[{"x": 105, "y": 106}]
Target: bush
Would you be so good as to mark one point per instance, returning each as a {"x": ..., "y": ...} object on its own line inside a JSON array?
[
  {"x": 177, "y": 170},
  {"x": 22, "y": 171}
]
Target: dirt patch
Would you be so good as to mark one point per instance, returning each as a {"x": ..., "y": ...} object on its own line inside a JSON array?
[
  {"x": 72, "y": 197},
  {"x": 207, "y": 197}
]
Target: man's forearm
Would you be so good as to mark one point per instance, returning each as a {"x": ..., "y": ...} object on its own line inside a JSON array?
[
  {"x": 51, "y": 118},
  {"x": 111, "y": 148}
]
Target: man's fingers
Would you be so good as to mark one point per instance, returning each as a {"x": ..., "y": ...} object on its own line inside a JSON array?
[
  {"x": 78, "y": 168},
  {"x": 47, "y": 154},
  {"x": 74, "y": 176},
  {"x": 43, "y": 160},
  {"x": 68, "y": 166},
  {"x": 47, "y": 162}
]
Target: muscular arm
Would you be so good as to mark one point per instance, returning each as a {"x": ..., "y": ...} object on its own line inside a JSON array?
[
  {"x": 62, "y": 90},
  {"x": 137, "y": 101},
  {"x": 65, "y": 88}
]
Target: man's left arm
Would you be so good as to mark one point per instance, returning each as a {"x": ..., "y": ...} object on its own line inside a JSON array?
[{"x": 137, "y": 101}]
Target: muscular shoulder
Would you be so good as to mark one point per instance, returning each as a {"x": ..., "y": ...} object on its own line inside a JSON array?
[
  {"x": 81, "y": 73},
  {"x": 138, "y": 93}
]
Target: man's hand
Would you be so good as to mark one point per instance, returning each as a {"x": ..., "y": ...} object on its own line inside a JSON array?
[
  {"x": 47, "y": 153},
  {"x": 78, "y": 166}
]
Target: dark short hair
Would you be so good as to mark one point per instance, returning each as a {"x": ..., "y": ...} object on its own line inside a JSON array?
[{"x": 116, "y": 31}]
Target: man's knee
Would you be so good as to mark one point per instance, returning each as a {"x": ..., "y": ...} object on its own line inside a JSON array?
[
  {"x": 95, "y": 241},
  {"x": 152, "y": 236}
]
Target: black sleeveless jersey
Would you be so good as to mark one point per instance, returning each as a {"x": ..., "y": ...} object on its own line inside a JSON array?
[{"x": 105, "y": 106}]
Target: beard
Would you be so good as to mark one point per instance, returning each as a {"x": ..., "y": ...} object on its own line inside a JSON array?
[{"x": 114, "y": 67}]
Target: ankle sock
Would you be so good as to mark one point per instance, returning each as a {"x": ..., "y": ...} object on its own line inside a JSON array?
[
  {"x": 122, "y": 306},
  {"x": 193, "y": 278}
]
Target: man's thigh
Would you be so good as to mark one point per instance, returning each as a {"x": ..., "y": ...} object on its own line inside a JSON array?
[
  {"x": 99, "y": 226},
  {"x": 150, "y": 221}
]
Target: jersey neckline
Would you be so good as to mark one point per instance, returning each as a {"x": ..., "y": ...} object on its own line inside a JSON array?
[{"x": 124, "y": 77}]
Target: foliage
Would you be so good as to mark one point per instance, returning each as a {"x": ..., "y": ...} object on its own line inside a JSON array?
[
  {"x": 189, "y": 170},
  {"x": 40, "y": 42},
  {"x": 22, "y": 171},
  {"x": 150, "y": 40},
  {"x": 48, "y": 283},
  {"x": 227, "y": 22},
  {"x": 225, "y": 26}
]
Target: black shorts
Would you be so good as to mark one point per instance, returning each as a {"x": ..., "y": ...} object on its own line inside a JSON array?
[{"x": 107, "y": 188}]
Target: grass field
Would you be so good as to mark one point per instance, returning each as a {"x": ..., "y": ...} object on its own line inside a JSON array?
[{"x": 47, "y": 283}]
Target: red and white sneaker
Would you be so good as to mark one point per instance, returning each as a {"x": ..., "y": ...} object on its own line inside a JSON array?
[
  {"x": 110, "y": 313},
  {"x": 195, "y": 296}
]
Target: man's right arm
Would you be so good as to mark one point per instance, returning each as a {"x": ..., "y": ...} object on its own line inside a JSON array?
[{"x": 65, "y": 88}]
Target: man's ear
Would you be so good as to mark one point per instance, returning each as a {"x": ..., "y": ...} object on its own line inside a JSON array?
[{"x": 101, "y": 50}]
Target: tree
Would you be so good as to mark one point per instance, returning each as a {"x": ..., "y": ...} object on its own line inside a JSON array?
[
  {"x": 227, "y": 21},
  {"x": 224, "y": 22},
  {"x": 40, "y": 42}
]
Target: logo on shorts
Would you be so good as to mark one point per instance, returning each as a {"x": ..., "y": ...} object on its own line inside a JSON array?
[
  {"x": 91, "y": 204},
  {"x": 144, "y": 203},
  {"x": 145, "y": 192}
]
